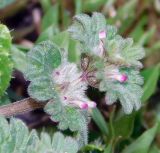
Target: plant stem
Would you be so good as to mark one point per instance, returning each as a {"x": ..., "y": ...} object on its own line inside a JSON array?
[{"x": 21, "y": 106}]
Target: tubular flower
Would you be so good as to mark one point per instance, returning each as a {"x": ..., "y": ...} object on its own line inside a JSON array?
[
  {"x": 113, "y": 73},
  {"x": 71, "y": 86},
  {"x": 102, "y": 34},
  {"x": 100, "y": 49}
]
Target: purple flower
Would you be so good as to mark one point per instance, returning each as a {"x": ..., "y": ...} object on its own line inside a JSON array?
[
  {"x": 102, "y": 34},
  {"x": 112, "y": 72}
]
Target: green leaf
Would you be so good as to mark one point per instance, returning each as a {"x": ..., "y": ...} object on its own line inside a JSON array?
[
  {"x": 142, "y": 144},
  {"x": 154, "y": 149},
  {"x": 73, "y": 51},
  {"x": 138, "y": 31},
  {"x": 50, "y": 18},
  {"x": 57, "y": 144},
  {"x": 155, "y": 47},
  {"x": 146, "y": 37},
  {"x": 129, "y": 93},
  {"x": 16, "y": 138},
  {"x": 62, "y": 40},
  {"x": 67, "y": 145},
  {"x": 85, "y": 29},
  {"x": 19, "y": 58},
  {"x": 46, "y": 4},
  {"x": 151, "y": 77},
  {"x": 41, "y": 61},
  {"x": 129, "y": 6},
  {"x": 48, "y": 34},
  {"x": 5, "y": 61},
  {"x": 124, "y": 51},
  {"x": 108, "y": 149},
  {"x": 78, "y": 6},
  {"x": 123, "y": 125},
  {"x": 100, "y": 121},
  {"x": 68, "y": 117}
]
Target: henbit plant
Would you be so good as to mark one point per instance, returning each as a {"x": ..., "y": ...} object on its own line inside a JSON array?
[
  {"x": 108, "y": 62},
  {"x": 116, "y": 60}
]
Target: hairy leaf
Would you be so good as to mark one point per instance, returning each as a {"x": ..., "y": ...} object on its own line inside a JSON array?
[
  {"x": 66, "y": 116},
  {"x": 69, "y": 117},
  {"x": 5, "y": 61},
  {"x": 86, "y": 30},
  {"x": 57, "y": 144},
  {"x": 124, "y": 51},
  {"x": 16, "y": 138},
  {"x": 129, "y": 93},
  {"x": 41, "y": 61}
]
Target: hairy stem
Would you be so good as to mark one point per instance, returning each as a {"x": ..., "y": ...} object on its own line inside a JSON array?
[{"x": 21, "y": 106}]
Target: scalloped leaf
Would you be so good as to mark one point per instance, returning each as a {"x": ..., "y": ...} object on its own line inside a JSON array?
[
  {"x": 5, "y": 61},
  {"x": 124, "y": 51},
  {"x": 58, "y": 144},
  {"x": 15, "y": 137},
  {"x": 129, "y": 93},
  {"x": 68, "y": 117},
  {"x": 41, "y": 61},
  {"x": 86, "y": 30}
]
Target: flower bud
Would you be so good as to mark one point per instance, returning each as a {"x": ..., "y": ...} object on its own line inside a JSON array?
[
  {"x": 102, "y": 34},
  {"x": 80, "y": 104},
  {"x": 120, "y": 77},
  {"x": 91, "y": 104}
]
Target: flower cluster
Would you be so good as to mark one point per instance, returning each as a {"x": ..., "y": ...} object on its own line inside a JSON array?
[
  {"x": 116, "y": 59},
  {"x": 71, "y": 86}
]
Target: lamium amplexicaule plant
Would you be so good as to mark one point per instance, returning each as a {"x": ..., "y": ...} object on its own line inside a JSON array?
[{"x": 108, "y": 62}]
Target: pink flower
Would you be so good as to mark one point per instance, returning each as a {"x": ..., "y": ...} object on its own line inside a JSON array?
[
  {"x": 120, "y": 77},
  {"x": 80, "y": 104},
  {"x": 102, "y": 34},
  {"x": 112, "y": 72},
  {"x": 99, "y": 50}
]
